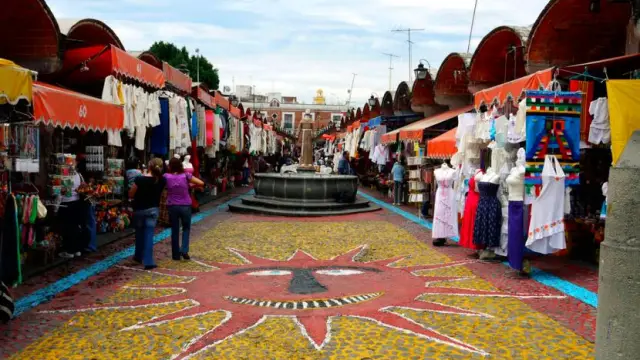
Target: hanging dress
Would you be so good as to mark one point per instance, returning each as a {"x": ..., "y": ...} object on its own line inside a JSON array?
[
  {"x": 546, "y": 230},
  {"x": 445, "y": 213},
  {"x": 469, "y": 216},
  {"x": 487, "y": 230}
]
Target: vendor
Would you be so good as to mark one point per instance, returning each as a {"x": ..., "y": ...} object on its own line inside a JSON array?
[{"x": 72, "y": 215}]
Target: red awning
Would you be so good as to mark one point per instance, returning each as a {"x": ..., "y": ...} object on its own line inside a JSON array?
[
  {"x": 203, "y": 96},
  {"x": 390, "y": 137},
  {"x": 222, "y": 101},
  {"x": 443, "y": 146},
  {"x": 415, "y": 131},
  {"x": 513, "y": 88},
  {"x": 94, "y": 63},
  {"x": 356, "y": 124},
  {"x": 177, "y": 78},
  {"x": 67, "y": 109},
  {"x": 235, "y": 112},
  {"x": 629, "y": 62}
]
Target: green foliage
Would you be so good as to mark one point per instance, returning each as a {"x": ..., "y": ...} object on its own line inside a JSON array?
[{"x": 179, "y": 58}]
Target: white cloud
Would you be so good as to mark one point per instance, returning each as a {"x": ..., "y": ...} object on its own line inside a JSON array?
[{"x": 295, "y": 47}]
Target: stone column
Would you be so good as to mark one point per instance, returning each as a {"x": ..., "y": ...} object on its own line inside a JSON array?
[{"x": 618, "y": 325}]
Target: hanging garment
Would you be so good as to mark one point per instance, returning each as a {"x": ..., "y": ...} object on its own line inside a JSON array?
[
  {"x": 487, "y": 229},
  {"x": 10, "y": 268},
  {"x": 445, "y": 213},
  {"x": 210, "y": 127},
  {"x": 469, "y": 216},
  {"x": 586, "y": 88},
  {"x": 600, "y": 128},
  {"x": 517, "y": 235},
  {"x": 546, "y": 229},
  {"x": 603, "y": 210},
  {"x": 160, "y": 134}
]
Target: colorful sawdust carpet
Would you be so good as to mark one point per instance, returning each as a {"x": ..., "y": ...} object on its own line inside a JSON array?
[{"x": 301, "y": 290}]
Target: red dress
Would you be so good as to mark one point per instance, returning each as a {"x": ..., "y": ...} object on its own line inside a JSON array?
[{"x": 469, "y": 216}]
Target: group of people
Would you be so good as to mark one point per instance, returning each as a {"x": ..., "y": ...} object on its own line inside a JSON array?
[{"x": 145, "y": 193}]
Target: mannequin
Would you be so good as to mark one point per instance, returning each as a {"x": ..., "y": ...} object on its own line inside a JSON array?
[
  {"x": 186, "y": 163},
  {"x": 445, "y": 218},
  {"x": 470, "y": 210},
  {"x": 517, "y": 239},
  {"x": 486, "y": 232}
]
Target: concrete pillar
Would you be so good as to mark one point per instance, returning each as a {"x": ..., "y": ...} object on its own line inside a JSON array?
[{"x": 618, "y": 325}]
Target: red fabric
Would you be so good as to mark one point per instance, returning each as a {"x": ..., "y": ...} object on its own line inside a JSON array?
[
  {"x": 209, "y": 117},
  {"x": 469, "y": 216},
  {"x": 194, "y": 158},
  {"x": 586, "y": 88}
]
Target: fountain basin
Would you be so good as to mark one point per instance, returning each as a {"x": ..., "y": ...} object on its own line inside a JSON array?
[{"x": 303, "y": 194}]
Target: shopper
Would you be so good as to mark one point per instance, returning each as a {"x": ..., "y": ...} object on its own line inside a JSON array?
[
  {"x": 179, "y": 206},
  {"x": 133, "y": 171},
  {"x": 343, "y": 164},
  {"x": 146, "y": 192},
  {"x": 398, "y": 179},
  {"x": 246, "y": 172}
]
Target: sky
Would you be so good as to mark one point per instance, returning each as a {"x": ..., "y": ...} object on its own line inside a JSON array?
[{"x": 295, "y": 47}]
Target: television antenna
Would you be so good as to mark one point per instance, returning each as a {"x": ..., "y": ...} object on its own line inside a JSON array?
[
  {"x": 391, "y": 56},
  {"x": 409, "y": 31}
]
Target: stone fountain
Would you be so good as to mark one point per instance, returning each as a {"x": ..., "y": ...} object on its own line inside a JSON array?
[{"x": 304, "y": 193}]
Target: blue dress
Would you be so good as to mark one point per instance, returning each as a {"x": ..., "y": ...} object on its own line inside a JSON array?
[{"x": 488, "y": 226}]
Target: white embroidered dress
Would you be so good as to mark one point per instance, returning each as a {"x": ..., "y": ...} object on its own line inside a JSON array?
[
  {"x": 546, "y": 230},
  {"x": 445, "y": 217}
]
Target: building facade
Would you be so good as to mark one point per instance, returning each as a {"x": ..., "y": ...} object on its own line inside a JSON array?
[{"x": 287, "y": 112}]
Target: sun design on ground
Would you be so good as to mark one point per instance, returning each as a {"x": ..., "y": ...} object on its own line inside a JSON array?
[{"x": 311, "y": 292}]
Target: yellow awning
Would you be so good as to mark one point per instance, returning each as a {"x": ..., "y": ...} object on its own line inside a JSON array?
[
  {"x": 624, "y": 113},
  {"x": 15, "y": 83}
]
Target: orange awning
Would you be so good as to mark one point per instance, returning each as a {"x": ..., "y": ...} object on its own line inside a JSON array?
[
  {"x": 235, "y": 112},
  {"x": 177, "y": 78},
  {"x": 203, "y": 96},
  {"x": 67, "y": 109},
  {"x": 94, "y": 63},
  {"x": 356, "y": 124},
  {"x": 222, "y": 101},
  {"x": 390, "y": 137},
  {"x": 513, "y": 88},
  {"x": 415, "y": 131},
  {"x": 443, "y": 146},
  {"x": 349, "y": 128}
]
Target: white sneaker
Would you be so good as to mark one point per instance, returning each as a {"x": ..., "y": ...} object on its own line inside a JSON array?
[{"x": 66, "y": 255}]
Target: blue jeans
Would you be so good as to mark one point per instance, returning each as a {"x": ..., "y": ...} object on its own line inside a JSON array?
[
  {"x": 145, "y": 224},
  {"x": 397, "y": 192},
  {"x": 245, "y": 176},
  {"x": 179, "y": 214},
  {"x": 90, "y": 228}
]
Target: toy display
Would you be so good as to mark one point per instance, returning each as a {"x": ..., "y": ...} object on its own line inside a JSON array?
[{"x": 112, "y": 216}]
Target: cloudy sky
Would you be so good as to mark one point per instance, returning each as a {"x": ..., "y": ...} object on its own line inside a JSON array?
[{"x": 297, "y": 46}]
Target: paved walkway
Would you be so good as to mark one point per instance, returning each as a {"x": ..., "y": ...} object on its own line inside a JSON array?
[{"x": 359, "y": 287}]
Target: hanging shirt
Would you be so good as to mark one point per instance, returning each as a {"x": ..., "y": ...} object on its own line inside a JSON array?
[{"x": 600, "y": 129}]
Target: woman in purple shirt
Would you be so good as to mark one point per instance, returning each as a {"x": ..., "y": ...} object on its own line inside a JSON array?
[{"x": 179, "y": 207}]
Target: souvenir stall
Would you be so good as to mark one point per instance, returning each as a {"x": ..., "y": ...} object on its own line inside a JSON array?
[
  {"x": 117, "y": 77},
  {"x": 19, "y": 159}
]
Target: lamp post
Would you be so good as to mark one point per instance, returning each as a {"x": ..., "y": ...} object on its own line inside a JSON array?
[
  {"x": 421, "y": 71},
  {"x": 197, "y": 64}
]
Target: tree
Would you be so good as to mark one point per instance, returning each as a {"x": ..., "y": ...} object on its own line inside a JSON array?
[{"x": 180, "y": 58}]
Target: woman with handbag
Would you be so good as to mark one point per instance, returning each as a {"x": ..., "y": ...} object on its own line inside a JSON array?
[{"x": 179, "y": 205}]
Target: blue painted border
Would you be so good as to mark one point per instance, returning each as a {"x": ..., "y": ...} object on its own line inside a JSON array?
[
  {"x": 568, "y": 288},
  {"x": 45, "y": 294}
]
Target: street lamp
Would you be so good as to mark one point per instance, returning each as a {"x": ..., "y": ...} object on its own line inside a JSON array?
[
  {"x": 372, "y": 101},
  {"x": 197, "y": 65},
  {"x": 421, "y": 71}
]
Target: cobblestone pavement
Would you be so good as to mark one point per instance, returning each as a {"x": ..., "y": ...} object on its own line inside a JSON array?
[{"x": 360, "y": 287}]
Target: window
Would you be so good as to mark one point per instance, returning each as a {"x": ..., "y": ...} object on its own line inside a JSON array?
[{"x": 288, "y": 121}]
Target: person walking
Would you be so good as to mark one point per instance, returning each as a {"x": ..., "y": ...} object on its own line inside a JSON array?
[
  {"x": 146, "y": 192},
  {"x": 343, "y": 164},
  {"x": 179, "y": 206},
  {"x": 246, "y": 172},
  {"x": 72, "y": 219},
  {"x": 398, "y": 179}
]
